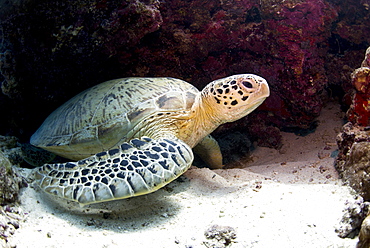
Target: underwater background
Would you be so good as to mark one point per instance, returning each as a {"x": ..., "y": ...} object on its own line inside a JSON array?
[
  {"x": 315, "y": 56},
  {"x": 307, "y": 50}
]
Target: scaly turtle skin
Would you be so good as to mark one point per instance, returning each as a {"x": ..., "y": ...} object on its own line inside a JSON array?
[{"x": 132, "y": 136}]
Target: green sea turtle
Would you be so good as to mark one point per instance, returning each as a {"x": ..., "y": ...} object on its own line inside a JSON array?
[{"x": 132, "y": 136}]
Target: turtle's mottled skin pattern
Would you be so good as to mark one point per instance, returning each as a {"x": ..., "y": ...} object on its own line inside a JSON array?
[{"x": 134, "y": 135}]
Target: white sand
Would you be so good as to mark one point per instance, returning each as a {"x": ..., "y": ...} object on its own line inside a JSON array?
[{"x": 291, "y": 198}]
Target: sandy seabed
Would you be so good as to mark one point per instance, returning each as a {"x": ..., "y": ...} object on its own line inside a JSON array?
[{"x": 286, "y": 198}]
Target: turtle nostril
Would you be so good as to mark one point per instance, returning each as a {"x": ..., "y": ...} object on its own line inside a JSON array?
[{"x": 247, "y": 84}]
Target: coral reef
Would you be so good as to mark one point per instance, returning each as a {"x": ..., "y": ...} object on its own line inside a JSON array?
[
  {"x": 55, "y": 49},
  {"x": 358, "y": 168},
  {"x": 10, "y": 182},
  {"x": 9, "y": 145},
  {"x": 364, "y": 237},
  {"x": 7, "y": 69},
  {"x": 353, "y": 159},
  {"x": 10, "y": 218},
  {"x": 359, "y": 111},
  {"x": 351, "y": 27},
  {"x": 52, "y": 50},
  {"x": 354, "y": 213}
]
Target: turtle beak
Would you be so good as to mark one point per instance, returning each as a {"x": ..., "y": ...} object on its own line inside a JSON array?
[{"x": 264, "y": 90}]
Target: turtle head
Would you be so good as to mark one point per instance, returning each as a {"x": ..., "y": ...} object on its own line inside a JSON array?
[{"x": 234, "y": 97}]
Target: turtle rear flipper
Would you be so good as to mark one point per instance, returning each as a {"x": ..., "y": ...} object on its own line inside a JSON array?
[
  {"x": 136, "y": 168},
  {"x": 36, "y": 156}
]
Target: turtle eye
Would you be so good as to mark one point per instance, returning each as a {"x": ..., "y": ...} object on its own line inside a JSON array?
[{"x": 247, "y": 84}]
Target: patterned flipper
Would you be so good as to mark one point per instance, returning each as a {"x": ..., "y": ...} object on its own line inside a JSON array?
[{"x": 136, "y": 168}]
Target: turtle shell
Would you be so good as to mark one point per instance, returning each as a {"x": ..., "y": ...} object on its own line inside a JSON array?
[{"x": 102, "y": 117}]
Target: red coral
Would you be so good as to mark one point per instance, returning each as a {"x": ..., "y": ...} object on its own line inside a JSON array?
[
  {"x": 287, "y": 42},
  {"x": 359, "y": 111},
  {"x": 130, "y": 23}
]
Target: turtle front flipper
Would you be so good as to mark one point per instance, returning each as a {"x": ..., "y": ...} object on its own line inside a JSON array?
[
  {"x": 136, "y": 168},
  {"x": 209, "y": 151}
]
